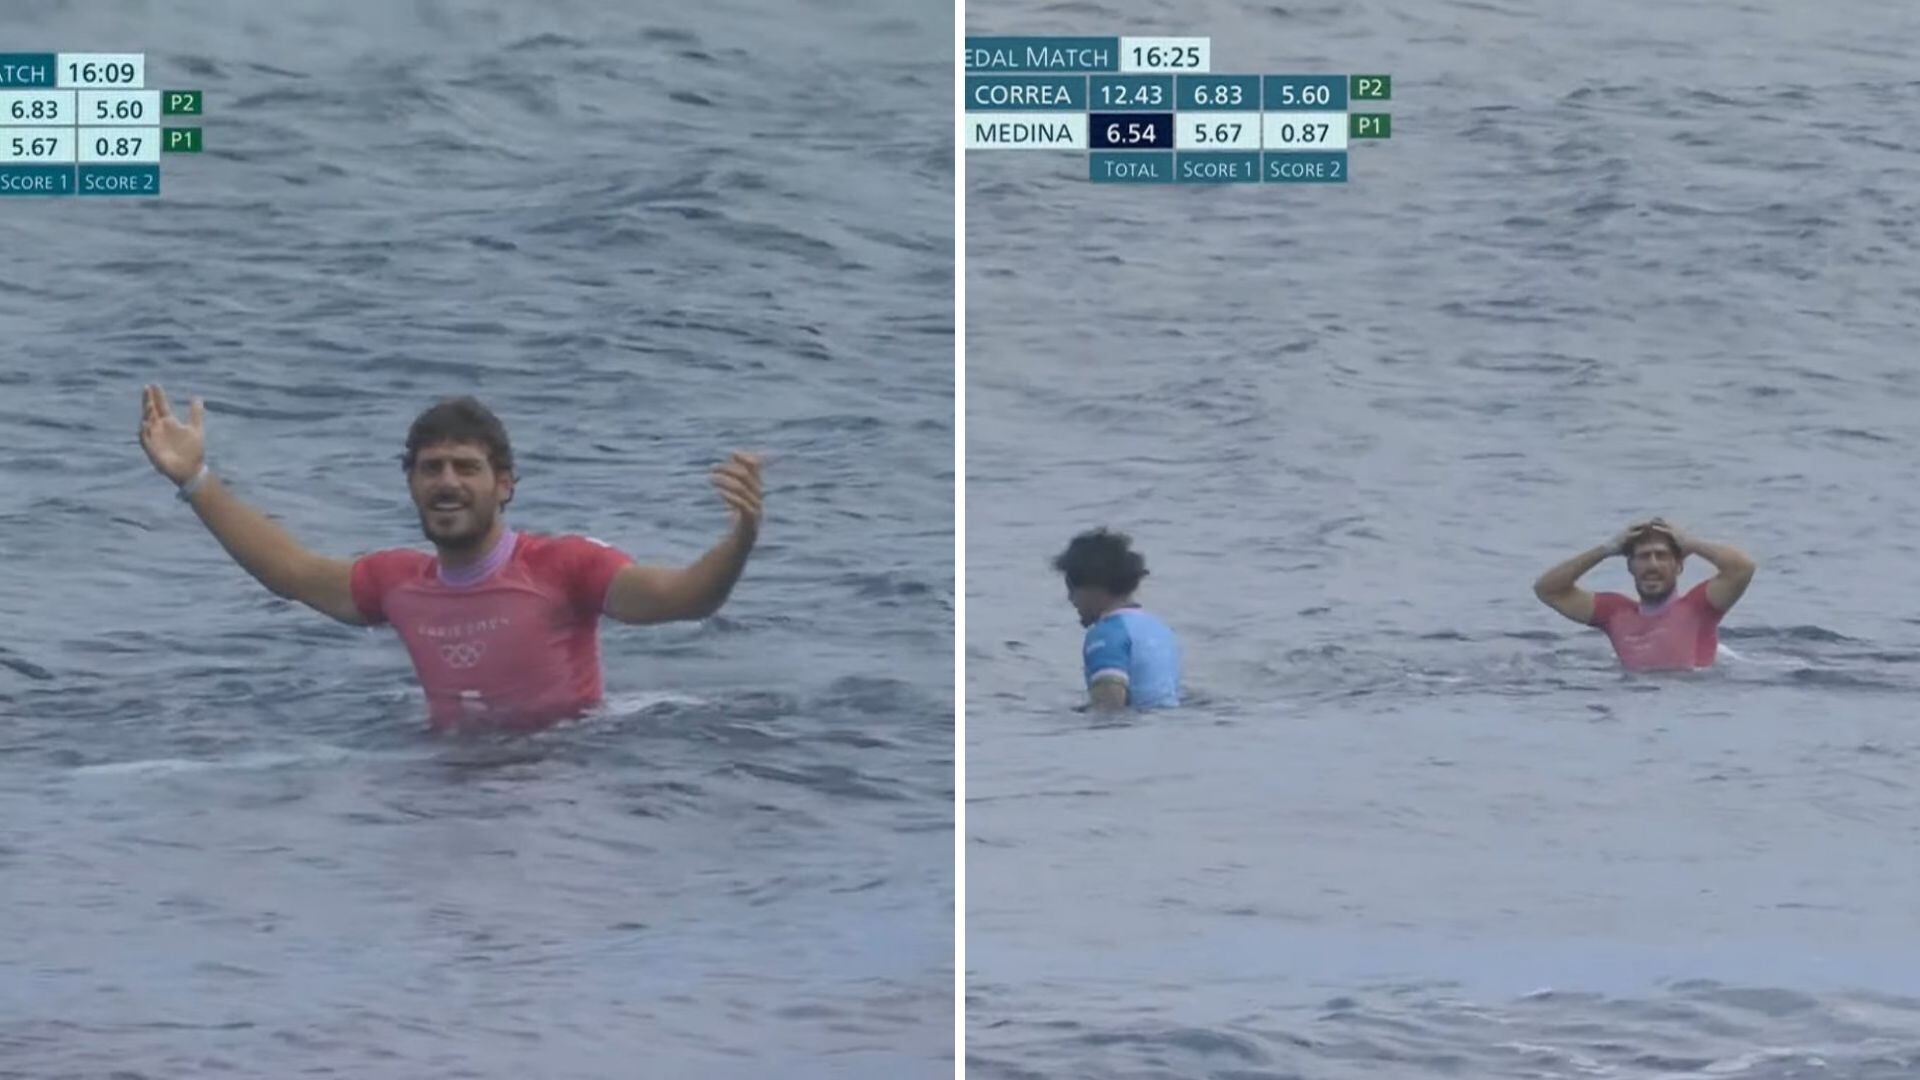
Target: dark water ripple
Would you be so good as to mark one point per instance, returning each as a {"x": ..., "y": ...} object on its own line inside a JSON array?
[
  {"x": 1698, "y": 1028},
  {"x": 1616, "y": 261},
  {"x": 645, "y": 238}
]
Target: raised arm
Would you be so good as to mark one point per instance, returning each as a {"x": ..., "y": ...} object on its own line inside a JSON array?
[
  {"x": 261, "y": 547},
  {"x": 654, "y": 594},
  {"x": 1735, "y": 568},
  {"x": 1559, "y": 587}
]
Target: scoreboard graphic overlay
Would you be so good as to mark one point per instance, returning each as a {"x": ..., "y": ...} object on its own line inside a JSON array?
[
  {"x": 86, "y": 124},
  {"x": 1150, "y": 110}
]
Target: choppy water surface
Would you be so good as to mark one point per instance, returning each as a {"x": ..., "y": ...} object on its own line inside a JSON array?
[
  {"x": 646, "y": 238},
  {"x": 1614, "y": 262}
]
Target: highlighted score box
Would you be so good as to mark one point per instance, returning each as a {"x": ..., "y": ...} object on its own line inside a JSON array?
[
  {"x": 1304, "y": 168},
  {"x": 30, "y": 180},
  {"x": 1130, "y": 131},
  {"x": 1130, "y": 167},
  {"x": 119, "y": 179}
]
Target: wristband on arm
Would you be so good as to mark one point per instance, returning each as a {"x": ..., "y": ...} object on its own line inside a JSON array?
[{"x": 187, "y": 489}]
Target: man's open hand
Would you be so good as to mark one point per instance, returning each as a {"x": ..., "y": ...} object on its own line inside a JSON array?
[
  {"x": 738, "y": 481},
  {"x": 176, "y": 449}
]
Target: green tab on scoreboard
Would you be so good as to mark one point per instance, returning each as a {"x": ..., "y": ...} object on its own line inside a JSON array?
[
  {"x": 1362, "y": 125},
  {"x": 181, "y": 102},
  {"x": 180, "y": 141},
  {"x": 1370, "y": 87}
]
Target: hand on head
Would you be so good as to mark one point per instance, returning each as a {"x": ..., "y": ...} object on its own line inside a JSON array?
[
  {"x": 1683, "y": 539},
  {"x": 1622, "y": 544},
  {"x": 176, "y": 449},
  {"x": 1625, "y": 537}
]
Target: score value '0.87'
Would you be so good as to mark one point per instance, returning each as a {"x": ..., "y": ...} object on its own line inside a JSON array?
[
  {"x": 123, "y": 146},
  {"x": 1304, "y": 133}
]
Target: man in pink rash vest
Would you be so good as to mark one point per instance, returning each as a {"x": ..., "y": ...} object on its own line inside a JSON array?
[
  {"x": 502, "y": 625},
  {"x": 1659, "y": 631}
]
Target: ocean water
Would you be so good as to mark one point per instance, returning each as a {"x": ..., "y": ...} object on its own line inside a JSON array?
[
  {"x": 1615, "y": 261},
  {"x": 646, "y": 238}
]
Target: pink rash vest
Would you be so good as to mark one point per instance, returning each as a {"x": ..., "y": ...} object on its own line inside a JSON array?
[
  {"x": 512, "y": 640},
  {"x": 1681, "y": 633}
]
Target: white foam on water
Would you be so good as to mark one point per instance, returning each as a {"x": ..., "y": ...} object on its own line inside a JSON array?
[
  {"x": 1757, "y": 661},
  {"x": 1747, "y": 1062},
  {"x": 171, "y": 766},
  {"x": 640, "y": 702},
  {"x": 623, "y": 705}
]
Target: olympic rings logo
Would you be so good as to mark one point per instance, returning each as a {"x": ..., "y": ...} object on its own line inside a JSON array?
[{"x": 463, "y": 654}]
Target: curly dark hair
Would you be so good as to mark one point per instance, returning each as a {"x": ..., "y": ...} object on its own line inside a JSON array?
[
  {"x": 460, "y": 419},
  {"x": 1653, "y": 532},
  {"x": 1104, "y": 560}
]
